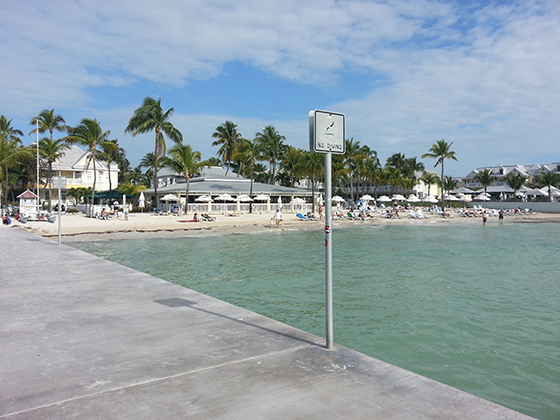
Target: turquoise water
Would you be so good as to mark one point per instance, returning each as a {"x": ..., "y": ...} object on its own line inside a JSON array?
[{"x": 475, "y": 307}]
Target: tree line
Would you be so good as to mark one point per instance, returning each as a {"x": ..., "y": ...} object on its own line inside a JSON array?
[{"x": 264, "y": 158}]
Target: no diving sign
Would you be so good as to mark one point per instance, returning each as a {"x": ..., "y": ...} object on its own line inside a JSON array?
[{"x": 327, "y": 132}]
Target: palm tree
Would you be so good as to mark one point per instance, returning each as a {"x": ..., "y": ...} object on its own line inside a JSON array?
[
  {"x": 353, "y": 154},
  {"x": 89, "y": 134},
  {"x": 110, "y": 153},
  {"x": 184, "y": 160},
  {"x": 549, "y": 179},
  {"x": 11, "y": 154},
  {"x": 228, "y": 138},
  {"x": 272, "y": 146},
  {"x": 393, "y": 177},
  {"x": 51, "y": 151},
  {"x": 412, "y": 166},
  {"x": 249, "y": 152},
  {"x": 48, "y": 121},
  {"x": 484, "y": 178},
  {"x": 441, "y": 151},
  {"x": 213, "y": 161},
  {"x": 397, "y": 161},
  {"x": 448, "y": 184},
  {"x": 151, "y": 117},
  {"x": 515, "y": 182},
  {"x": 292, "y": 164},
  {"x": 313, "y": 168},
  {"x": 429, "y": 178},
  {"x": 9, "y": 132}
]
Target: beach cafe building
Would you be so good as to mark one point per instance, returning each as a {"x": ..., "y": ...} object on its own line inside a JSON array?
[{"x": 214, "y": 191}]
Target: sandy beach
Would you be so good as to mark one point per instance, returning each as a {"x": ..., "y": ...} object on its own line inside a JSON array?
[{"x": 79, "y": 227}]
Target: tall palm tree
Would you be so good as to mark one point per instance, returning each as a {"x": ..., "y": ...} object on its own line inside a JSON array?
[
  {"x": 51, "y": 151},
  {"x": 440, "y": 151},
  {"x": 89, "y": 134},
  {"x": 273, "y": 147},
  {"x": 249, "y": 152},
  {"x": 184, "y": 160},
  {"x": 11, "y": 154},
  {"x": 484, "y": 178},
  {"x": 549, "y": 179},
  {"x": 151, "y": 117},
  {"x": 228, "y": 138},
  {"x": 48, "y": 121},
  {"x": 9, "y": 132},
  {"x": 515, "y": 182}
]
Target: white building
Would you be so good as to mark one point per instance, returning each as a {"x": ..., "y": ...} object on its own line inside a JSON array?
[{"x": 73, "y": 166}]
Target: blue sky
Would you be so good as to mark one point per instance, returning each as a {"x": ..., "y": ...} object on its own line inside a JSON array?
[{"x": 406, "y": 73}]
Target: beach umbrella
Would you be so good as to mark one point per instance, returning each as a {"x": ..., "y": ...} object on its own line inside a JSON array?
[
  {"x": 297, "y": 200},
  {"x": 367, "y": 197},
  {"x": 262, "y": 197},
  {"x": 412, "y": 199},
  {"x": 383, "y": 198},
  {"x": 398, "y": 197},
  {"x": 449, "y": 197},
  {"x": 337, "y": 199},
  {"x": 169, "y": 197},
  {"x": 203, "y": 199},
  {"x": 142, "y": 200},
  {"x": 224, "y": 197},
  {"x": 431, "y": 199},
  {"x": 243, "y": 198},
  {"x": 482, "y": 197}
]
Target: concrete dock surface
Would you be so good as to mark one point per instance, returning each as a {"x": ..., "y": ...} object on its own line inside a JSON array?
[{"x": 85, "y": 338}]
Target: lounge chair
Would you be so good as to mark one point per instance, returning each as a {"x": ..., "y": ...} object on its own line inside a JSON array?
[
  {"x": 300, "y": 216},
  {"x": 412, "y": 214},
  {"x": 421, "y": 215}
]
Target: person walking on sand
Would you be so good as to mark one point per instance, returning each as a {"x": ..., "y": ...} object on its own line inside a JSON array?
[{"x": 278, "y": 218}]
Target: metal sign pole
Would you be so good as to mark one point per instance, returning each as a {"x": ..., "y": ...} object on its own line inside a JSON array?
[
  {"x": 328, "y": 248},
  {"x": 59, "y": 206}
]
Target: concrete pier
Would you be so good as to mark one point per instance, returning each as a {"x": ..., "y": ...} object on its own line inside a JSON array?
[{"x": 85, "y": 338}]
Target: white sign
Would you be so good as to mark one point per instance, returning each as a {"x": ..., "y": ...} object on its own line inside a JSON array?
[
  {"x": 59, "y": 181},
  {"x": 327, "y": 132}
]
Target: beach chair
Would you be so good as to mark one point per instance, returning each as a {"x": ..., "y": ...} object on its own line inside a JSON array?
[
  {"x": 421, "y": 215},
  {"x": 351, "y": 216},
  {"x": 300, "y": 216},
  {"x": 412, "y": 214}
]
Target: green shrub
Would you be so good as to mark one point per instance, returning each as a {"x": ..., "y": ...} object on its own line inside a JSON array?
[{"x": 72, "y": 210}]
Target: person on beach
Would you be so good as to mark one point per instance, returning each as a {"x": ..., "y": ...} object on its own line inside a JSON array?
[
  {"x": 501, "y": 215},
  {"x": 126, "y": 210},
  {"x": 278, "y": 218},
  {"x": 195, "y": 218},
  {"x": 483, "y": 218}
]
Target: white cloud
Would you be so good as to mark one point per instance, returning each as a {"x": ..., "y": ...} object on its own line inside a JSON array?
[{"x": 485, "y": 77}]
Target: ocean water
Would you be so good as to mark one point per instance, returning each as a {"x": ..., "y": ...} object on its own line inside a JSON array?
[{"x": 474, "y": 307}]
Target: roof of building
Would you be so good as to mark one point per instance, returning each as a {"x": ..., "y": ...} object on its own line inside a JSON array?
[
  {"x": 74, "y": 159},
  {"x": 525, "y": 170},
  {"x": 27, "y": 194},
  {"x": 214, "y": 181}
]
